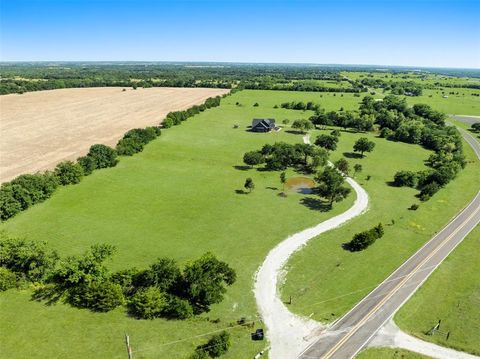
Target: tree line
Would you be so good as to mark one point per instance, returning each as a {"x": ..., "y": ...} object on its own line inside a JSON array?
[
  {"x": 422, "y": 125},
  {"x": 164, "y": 289}
]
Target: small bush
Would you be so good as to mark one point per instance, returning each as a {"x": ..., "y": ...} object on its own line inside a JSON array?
[
  {"x": 128, "y": 147},
  {"x": 100, "y": 296},
  {"x": 364, "y": 239},
  {"x": 177, "y": 308},
  {"x": 414, "y": 207},
  {"x": 88, "y": 164},
  {"x": 216, "y": 346},
  {"x": 9, "y": 204},
  {"x": 167, "y": 122},
  {"x": 405, "y": 178},
  {"x": 103, "y": 156},
  {"x": 148, "y": 303},
  {"x": 386, "y": 132},
  {"x": 8, "y": 279},
  {"x": 428, "y": 191},
  {"x": 69, "y": 173}
]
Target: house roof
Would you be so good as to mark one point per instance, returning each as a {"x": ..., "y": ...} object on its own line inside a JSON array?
[{"x": 264, "y": 122}]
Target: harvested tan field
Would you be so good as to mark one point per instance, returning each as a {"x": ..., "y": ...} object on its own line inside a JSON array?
[{"x": 40, "y": 129}]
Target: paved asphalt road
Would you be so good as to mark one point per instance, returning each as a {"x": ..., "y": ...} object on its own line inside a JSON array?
[
  {"x": 467, "y": 119},
  {"x": 347, "y": 336}
]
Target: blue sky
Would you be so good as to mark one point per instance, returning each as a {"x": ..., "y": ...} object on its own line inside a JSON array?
[{"x": 438, "y": 33}]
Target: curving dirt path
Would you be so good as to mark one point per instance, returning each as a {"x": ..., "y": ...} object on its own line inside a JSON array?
[{"x": 290, "y": 334}]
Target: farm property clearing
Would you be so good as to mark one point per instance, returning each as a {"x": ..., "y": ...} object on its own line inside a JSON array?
[
  {"x": 178, "y": 199},
  {"x": 40, "y": 129}
]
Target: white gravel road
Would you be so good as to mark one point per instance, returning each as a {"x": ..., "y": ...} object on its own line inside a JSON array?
[{"x": 290, "y": 334}]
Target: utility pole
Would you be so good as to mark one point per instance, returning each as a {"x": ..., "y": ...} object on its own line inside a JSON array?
[{"x": 129, "y": 348}]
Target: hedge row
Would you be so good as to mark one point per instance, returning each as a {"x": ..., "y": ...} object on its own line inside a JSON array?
[
  {"x": 29, "y": 189},
  {"x": 177, "y": 117}
]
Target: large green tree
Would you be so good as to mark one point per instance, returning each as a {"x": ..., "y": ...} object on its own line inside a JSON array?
[
  {"x": 204, "y": 281},
  {"x": 331, "y": 185},
  {"x": 328, "y": 142},
  {"x": 363, "y": 145}
]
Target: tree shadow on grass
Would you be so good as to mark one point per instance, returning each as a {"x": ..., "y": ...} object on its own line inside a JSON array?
[
  {"x": 391, "y": 183},
  {"x": 49, "y": 294},
  {"x": 293, "y": 132},
  {"x": 316, "y": 204},
  {"x": 242, "y": 168},
  {"x": 240, "y": 191},
  {"x": 272, "y": 188},
  {"x": 352, "y": 155}
]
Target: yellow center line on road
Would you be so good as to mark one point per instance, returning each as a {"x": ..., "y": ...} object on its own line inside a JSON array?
[{"x": 394, "y": 290}]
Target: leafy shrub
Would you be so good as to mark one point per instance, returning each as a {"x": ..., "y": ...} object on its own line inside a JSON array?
[
  {"x": 68, "y": 172},
  {"x": 204, "y": 282},
  {"x": 386, "y": 132},
  {"x": 216, "y": 346},
  {"x": 167, "y": 122},
  {"x": 302, "y": 125},
  {"x": 125, "y": 278},
  {"x": 328, "y": 142},
  {"x": 24, "y": 191},
  {"x": 163, "y": 274},
  {"x": 177, "y": 308},
  {"x": 88, "y": 164},
  {"x": 428, "y": 191},
  {"x": 364, "y": 239},
  {"x": 414, "y": 207},
  {"x": 405, "y": 178},
  {"x": 29, "y": 258},
  {"x": 76, "y": 271},
  {"x": 10, "y": 205},
  {"x": 103, "y": 156},
  {"x": 253, "y": 158},
  {"x": 38, "y": 187},
  {"x": 143, "y": 135},
  {"x": 128, "y": 147},
  {"x": 148, "y": 303},
  {"x": 99, "y": 296},
  {"x": 8, "y": 279}
]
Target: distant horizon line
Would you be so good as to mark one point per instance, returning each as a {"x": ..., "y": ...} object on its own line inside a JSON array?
[{"x": 238, "y": 63}]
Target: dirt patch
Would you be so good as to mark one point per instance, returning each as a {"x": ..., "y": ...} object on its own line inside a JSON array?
[
  {"x": 303, "y": 185},
  {"x": 40, "y": 129}
]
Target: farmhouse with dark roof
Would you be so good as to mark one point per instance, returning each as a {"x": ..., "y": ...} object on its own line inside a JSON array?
[{"x": 263, "y": 124}]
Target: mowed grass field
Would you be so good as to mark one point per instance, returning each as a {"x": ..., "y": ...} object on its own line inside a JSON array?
[
  {"x": 325, "y": 280},
  {"x": 462, "y": 103},
  {"x": 177, "y": 199}
]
